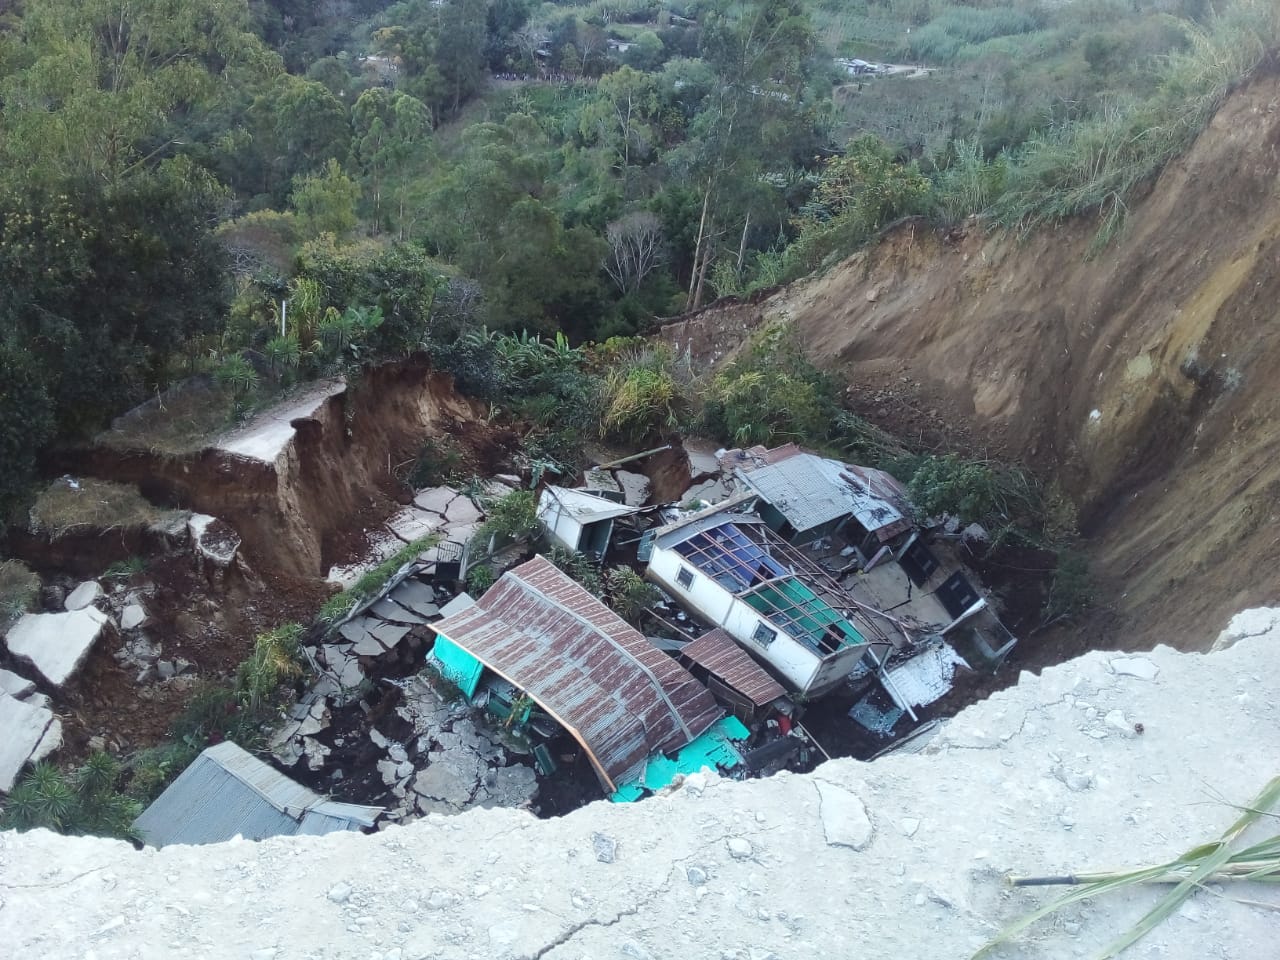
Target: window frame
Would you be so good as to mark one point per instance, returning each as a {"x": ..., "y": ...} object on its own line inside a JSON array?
[
  {"x": 763, "y": 628},
  {"x": 683, "y": 574}
]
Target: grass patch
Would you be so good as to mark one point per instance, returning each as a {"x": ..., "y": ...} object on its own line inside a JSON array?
[
  {"x": 370, "y": 582},
  {"x": 91, "y": 505},
  {"x": 183, "y": 420},
  {"x": 19, "y": 587}
]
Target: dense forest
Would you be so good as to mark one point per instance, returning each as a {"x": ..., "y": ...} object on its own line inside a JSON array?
[{"x": 418, "y": 175}]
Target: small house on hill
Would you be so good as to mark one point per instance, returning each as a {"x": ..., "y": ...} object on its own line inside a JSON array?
[
  {"x": 228, "y": 792},
  {"x": 616, "y": 694},
  {"x": 733, "y": 572},
  {"x": 579, "y": 521}
]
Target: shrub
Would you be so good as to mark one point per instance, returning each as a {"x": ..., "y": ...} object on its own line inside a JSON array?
[
  {"x": 480, "y": 577},
  {"x": 86, "y": 801},
  {"x": 513, "y": 516},
  {"x": 974, "y": 491},
  {"x": 276, "y": 658},
  {"x": 629, "y": 594},
  {"x": 579, "y": 567},
  {"x": 643, "y": 398},
  {"x": 19, "y": 588}
]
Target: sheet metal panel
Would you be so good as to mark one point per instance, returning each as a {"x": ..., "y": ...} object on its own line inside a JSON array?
[
  {"x": 584, "y": 664},
  {"x": 721, "y": 656},
  {"x": 227, "y": 791}
]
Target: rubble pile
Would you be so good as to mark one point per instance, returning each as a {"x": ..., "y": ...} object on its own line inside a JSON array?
[{"x": 46, "y": 650}]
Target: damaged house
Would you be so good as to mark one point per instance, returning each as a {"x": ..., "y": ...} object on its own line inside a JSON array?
[
  {"x": 813, "y": 500},
  {"x": 228, "y": 792},
  {"x": 579, "y": 521},
  {"x": 805, "y": 497},
  {"x": 731, "y": 571},
  {"x": 625, "y": 702}
]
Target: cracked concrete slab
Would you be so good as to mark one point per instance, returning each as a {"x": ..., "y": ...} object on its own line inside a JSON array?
[
  {"x": 56, "y": 644},
  {"x": 951, "y": 822},
  {"x": 26, "y": 727}
]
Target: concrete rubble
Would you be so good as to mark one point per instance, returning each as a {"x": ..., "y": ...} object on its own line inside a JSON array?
[
  {"x": 213, "y": 540},
  {"x": 780, "y": 867},
  {"x": 82, "y": 596},
  {"x": 30, "y": 733},
  {"x": 56, "y": 644}
]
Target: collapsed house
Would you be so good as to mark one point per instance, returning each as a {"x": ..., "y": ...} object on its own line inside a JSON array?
[
  {"x": 228, "y": 792},
  {"x": 812, "y": 500},
  {"x": 804, "y": 497},
  {"x": 579, "y": 521},
  {"x": 539, "y": 634},
  {"x": 731, "y": 571}
]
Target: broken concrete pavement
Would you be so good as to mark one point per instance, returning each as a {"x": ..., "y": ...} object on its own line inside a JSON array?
[{"x": 717, "y": 869}]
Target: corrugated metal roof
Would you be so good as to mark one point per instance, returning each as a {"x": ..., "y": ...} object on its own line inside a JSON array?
[
  {"x": 810, "y": 490},
  {"x": 622, "y": 698},
  {"x": 720, "y": 654},
  {"x": 582, "y": 506},
  {"x": 227, "y": 791}
]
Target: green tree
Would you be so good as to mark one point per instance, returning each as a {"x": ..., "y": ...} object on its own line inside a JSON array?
[
  {"x": 297, "y": 127},
  {"x": 102, "y": 80},
  {"x": 620, "y": 118},
  {"x": 326, "y": 201},
  {"x": 755, "y": 121},
  {"x": 388, "y": 127}
]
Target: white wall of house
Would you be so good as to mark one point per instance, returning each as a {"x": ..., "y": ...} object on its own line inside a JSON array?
[
  {"x": 802, "y": 669},
  {"x": 558, "y": 522}
]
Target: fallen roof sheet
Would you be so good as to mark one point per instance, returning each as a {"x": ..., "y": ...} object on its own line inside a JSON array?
[
  {"x": 582, "y": 506},
  {"x": 227, "y": 791},
  {"x": 720, "y": 654},
  {"x": 621, "y": 698}
]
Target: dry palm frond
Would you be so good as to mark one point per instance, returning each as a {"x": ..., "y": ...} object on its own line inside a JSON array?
[{"x": 1211, "y": 862}]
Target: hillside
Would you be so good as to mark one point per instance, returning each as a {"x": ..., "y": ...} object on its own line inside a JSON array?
[{"x": 1141, "y": 379}]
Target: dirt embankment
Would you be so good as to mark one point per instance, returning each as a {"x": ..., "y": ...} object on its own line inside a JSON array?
[
  {"x": 297, "y": 510},
  {"x": 1142, "y": 379}
]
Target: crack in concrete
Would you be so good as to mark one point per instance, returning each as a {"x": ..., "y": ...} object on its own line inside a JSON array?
[
  {"x": 52, "y": 884},
  {"x": 577, "y": 928},
  {"x": 632, "y": 911}
]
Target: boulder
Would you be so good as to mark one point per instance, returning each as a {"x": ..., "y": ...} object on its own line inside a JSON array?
[
  {"x": 83, "y": 595},
  {"x": 56, "y": 644},
  {"x": 134, "y": 615}
]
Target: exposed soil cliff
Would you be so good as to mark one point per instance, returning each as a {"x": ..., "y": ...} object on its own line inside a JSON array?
[
  {"x": 1143, "y": 379},
  {"x": 295, "y": 508}
]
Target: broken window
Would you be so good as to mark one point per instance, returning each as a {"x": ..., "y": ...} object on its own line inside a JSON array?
[
  {"x": 685, "y": 578},
  {"x": 764, "y": 634}
]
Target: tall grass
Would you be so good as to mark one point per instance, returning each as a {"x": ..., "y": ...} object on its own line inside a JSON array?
[{"x": 1094, "y": 166}]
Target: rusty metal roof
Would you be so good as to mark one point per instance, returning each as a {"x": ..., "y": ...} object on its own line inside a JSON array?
[
  {"x": 720, "y": 654},
  {"x": 618, "y": 695}
]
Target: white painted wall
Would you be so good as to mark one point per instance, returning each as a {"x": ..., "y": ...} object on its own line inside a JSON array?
[
  {"x": 792, "y": 660},
  {"x": 558, "y": 522}
]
